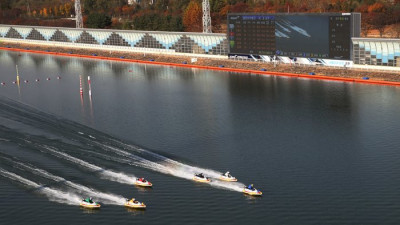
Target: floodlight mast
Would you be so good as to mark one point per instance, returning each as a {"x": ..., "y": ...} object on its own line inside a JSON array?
[
  {"x": 206, "y": 17},
  {"x": 78, "y": 14}
]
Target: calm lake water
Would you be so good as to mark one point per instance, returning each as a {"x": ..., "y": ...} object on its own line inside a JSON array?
[{"x": 322, "y": 152}]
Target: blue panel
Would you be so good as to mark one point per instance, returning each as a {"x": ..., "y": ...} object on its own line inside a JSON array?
[
  {"x": 373, "y": 48},
  {"x": 385, "y": 59},
  {"x": 367, "y": 46},
  {"x": 396, "y": 49}
]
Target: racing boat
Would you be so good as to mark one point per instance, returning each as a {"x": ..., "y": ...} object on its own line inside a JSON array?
[
  {"x": 250, "y": 190},
  {"x": 227, "y": 177},
  {"x": 89, "y": 204},
  {"x": 201, "y": 178},
  {"x": 142, "y": 182},
  {"x": 134, "y": 204}
]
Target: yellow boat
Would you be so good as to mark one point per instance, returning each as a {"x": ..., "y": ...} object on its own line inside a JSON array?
[
  {"x": 253, "y": 191},
  {"x": 201, "y": 178},
  {"x": 227, "y": 177},
  {"x": 134, "y": 204},
  {"x": 143, "y": 183},
  {"x": 89, "y": 204}
]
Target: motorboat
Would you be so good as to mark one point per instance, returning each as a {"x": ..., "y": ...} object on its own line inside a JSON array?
[
  {"x": 89, "y": 204},
  {"x": 227, "y": 177},
  {"x": 132, "y": 203},
  {"x": 250, "y": 190},
  {"x": 143, "y": 182},
  {"x": 201, "y": 178}
]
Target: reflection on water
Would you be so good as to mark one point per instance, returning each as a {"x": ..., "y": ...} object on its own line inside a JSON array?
[
  {"x": 90, "y": 211},
  {"x": 253, "y": 199},
  {"x": 135, "y": 212}
]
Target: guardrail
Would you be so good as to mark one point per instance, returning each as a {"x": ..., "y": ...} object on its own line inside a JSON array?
[{"x": 384, "y": 69}]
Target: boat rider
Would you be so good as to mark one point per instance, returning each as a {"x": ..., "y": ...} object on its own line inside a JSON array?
[
  {"x": 250, "y": 187},
  {"x": 89, "y": 200},
  {"x": 227, "y": 174}
]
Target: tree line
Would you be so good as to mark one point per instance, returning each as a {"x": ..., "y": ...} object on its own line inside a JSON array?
[{"x": 186, "y": 15}]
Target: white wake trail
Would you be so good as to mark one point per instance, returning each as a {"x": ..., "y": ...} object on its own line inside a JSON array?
[
  {"x": 187, "y": 168},
  {"x": 52, "y": 194},
  {"x": 172, "y": 167},
  {"x": 105, "y": 174},
  {"x": 104, "y": 197}
]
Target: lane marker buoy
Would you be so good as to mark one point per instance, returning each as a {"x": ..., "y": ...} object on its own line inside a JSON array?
[
  {"x": 90, "y": 88},
  {"x": 26, "y": 81},
  {"x": 80, "y": 85},
  {"x": 2, "y": 83},
  {"x": 48, "y": 78},
  {"x": 37, "y": 80},
  {"x": 58, "y": 78}
]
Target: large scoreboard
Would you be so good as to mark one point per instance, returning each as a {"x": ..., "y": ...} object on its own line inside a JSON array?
[{"x": 310, "y": 35}]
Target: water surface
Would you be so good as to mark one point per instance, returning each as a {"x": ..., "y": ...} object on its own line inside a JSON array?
[{"x": 322, "y": 152}]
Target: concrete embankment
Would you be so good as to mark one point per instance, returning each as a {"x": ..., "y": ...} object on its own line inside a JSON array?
[{"x": 224, "y": 64}]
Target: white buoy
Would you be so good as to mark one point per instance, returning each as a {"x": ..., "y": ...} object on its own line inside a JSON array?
[
  {"x": 80, "y": 85},
  {"x": 90, "y": 88},
  {"x": 17, "y": 82}
]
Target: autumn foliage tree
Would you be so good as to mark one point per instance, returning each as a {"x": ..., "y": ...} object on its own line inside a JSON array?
[
  {"x": 186, "y": 15},
  {"x": 192, "y": 17}
]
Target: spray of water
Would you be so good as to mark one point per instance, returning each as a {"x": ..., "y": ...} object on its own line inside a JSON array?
[
  {"x": 104, "y": 197},
  {"x": 163, "y": 164},
  {"x": 105, "y": 174},
  {"x": 52, "y": 194},
  {"x": 169, "y": 166},
  {"x": 164, "y": 160}
]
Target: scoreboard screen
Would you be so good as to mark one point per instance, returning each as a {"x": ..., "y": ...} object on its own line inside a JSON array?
[{"x": 293, "y": 35}]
